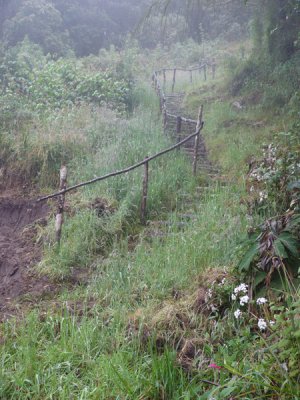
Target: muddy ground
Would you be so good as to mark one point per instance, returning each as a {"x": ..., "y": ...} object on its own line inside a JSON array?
[{"x": 19, "y": 252}]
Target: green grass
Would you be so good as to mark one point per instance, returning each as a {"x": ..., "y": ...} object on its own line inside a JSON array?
[
  {"x": 80, "y": 345},
  {"x": 124, "y": 144}
]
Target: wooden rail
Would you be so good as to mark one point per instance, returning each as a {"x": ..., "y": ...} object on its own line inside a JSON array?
[
  {"x": 177, "y": 125},
  {"x": 178, "y": 120},
  {"x": 122, "y": 171}
]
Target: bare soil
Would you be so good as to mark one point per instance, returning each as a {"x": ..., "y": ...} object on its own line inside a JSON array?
[{"x": 19, "y": 252}]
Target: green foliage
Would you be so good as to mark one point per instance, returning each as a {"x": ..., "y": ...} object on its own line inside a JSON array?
[
  {"x": 42, "y": 23},
  {"x": 61, "y": 27},
  {"x": 61, "y": 84},
  {"x": 48, "y": 84}
]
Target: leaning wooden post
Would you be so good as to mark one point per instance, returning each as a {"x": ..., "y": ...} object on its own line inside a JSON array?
[
  {"x": 204, "y": 71},
  {"x": 60, "y": 203},
  {"x": 145, "y": 192},
  {"x": 213, "y": 68},
  {"x": 174, "y": 79},
  {"x": 165, "y": 117},
  {"x": 197, "y": 139},
  {"x": 178, "y": 129}
]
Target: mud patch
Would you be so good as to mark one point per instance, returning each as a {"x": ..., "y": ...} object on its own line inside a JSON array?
[{"x": 19, "y": 251}]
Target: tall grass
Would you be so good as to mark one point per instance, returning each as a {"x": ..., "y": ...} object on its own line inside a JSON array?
[
  {"x": 112, "y": 146},
  {"x": 81, "y": 344}
]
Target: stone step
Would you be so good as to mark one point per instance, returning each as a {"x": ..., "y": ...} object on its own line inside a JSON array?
[
  {"x": 178, "y": 224},
  {"x": 188, "y": 216}
]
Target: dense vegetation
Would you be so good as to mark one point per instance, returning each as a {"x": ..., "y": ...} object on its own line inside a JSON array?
[{"x": 209, "y": 310}]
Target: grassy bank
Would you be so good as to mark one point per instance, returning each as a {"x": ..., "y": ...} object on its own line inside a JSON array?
[{"x": 125, "y": 332}]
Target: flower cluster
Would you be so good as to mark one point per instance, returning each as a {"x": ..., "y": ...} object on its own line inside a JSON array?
[
  {"x": 261, "y": 300},
  {"x": 262, "y": 324},
  {"x": 213, "y": 295},
  {"x": 263, "y": 195},
  {"x": 240, "y": 294}
]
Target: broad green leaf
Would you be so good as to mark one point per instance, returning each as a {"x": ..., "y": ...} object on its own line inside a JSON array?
[
  {"x": 259, "y": 278},
  {"x": 280, "y": 249},
  {"x": 295, "y": 221},
  {"x": 290, "y": 243},
  {"x": 227, "y": 391},
  {"x": 248, "y": 258}
]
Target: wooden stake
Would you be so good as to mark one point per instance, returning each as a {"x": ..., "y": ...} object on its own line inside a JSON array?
[
  {"x": 191, "y": 76},
  {"x": 60, "y": 203},
  {"x": 204, "y": 70},
  {"x": 174, "y": 80},
  {"x": 145, "y": 192},
  {"x": 178, "y": 129},
  {"x": 165, "y": 78},
  {"x": 122, "y": 171},
  {"x": 213, "y": 68},
  {"x": 165, "y": 118},
  {"x": 197, "y": 139}
]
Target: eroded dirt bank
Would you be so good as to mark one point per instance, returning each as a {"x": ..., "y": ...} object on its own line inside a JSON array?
[{"x": 19, "y": 251}]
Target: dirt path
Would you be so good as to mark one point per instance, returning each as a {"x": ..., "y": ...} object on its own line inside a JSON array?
[{"x": 19, "y": 252}]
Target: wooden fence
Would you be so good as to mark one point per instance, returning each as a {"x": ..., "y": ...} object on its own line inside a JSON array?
[
  {"x": 197, "y": 149},
  {"x": 174, "y": 124}
]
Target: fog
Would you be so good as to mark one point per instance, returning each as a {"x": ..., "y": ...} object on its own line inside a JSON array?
[{"x": 84, "y": 27}]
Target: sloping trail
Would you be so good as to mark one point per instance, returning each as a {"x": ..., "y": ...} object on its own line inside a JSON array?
[
  {"x": 19, "y": 252},
  {"x": 179, "y": 123},
  {"x": 188, "y": 203}
]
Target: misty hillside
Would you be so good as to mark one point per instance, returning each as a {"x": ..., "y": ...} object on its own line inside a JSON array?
[{"x": 149, "y": 199}]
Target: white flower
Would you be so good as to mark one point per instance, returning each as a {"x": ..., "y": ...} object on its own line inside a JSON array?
[
  {"x": 241, "y": 288},
  {"x": 262, "y": 324},
  {"x": 262, "y": 196},
  {"x": 244, "y": 300},
  {"x": 284, "y": 367},
  {"x": 222, "y": 282},
  {"x": 272, "y": 323},
  {"x": 233, "y": 297},
  {"x": 261, "y": 300},
  {"x": 210, "y": 293},
  {"x": 237, "y": 314}
]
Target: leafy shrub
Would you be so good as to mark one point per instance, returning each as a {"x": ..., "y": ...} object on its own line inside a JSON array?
[
  {"x": 45, "y": 84},
  {"x": 243, "y": 76}
]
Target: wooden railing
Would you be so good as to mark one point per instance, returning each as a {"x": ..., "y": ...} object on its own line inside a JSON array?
[
  {"x": 63, "y": 175},
  {"x": 174, "y": 124},
  {"x": 195, "y": 136},
  {"x": 202, "y": 67}
]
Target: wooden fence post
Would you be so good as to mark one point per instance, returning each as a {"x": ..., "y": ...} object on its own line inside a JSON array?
[
  {"x": 178, "y": 129},
  {"x": 174, "y": 80},
  {"x": 165, "y": 118},
  {"x": 160, "y": 101},
  {"x": 191, "y": 76},
  {"x": 60, "y": 203},
  {"x": 155, "y": 81},
  {"x": 145, "y": 192},
  {"x": 165, "y": 78},
  {"x": 213, "y": 68},
  {"x": 197, "y": 139},
  {"x": 204, "y": 71}
]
